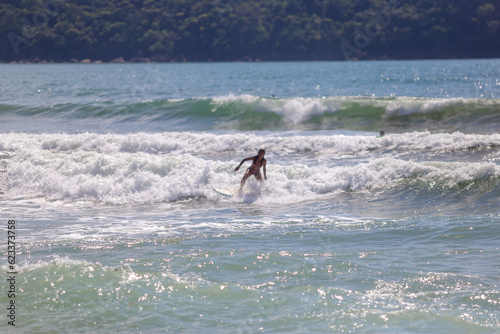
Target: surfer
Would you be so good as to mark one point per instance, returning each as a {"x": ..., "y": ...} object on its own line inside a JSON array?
[{"x": 254, "y": 169}]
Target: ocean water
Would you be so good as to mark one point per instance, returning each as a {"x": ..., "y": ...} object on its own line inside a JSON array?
[{"x": 107, "y": 174}]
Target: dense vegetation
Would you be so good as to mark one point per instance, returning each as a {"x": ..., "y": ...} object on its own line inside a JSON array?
[{"x": 220, "y": 30}]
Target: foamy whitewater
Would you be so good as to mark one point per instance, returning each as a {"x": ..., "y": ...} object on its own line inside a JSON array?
[{"x": 109, "y": 170}]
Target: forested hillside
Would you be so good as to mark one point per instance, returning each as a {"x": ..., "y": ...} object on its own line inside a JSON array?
[{"x": 230, "y": 30}]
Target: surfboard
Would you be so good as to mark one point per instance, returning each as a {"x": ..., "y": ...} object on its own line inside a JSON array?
[{"x": 227, "y": 192}]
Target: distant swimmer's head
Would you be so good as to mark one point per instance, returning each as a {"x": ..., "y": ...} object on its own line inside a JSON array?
[{"x": 262, "y": 152}]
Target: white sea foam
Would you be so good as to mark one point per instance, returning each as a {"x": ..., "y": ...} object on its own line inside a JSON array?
[
  {"x": 300, "y": 109},
  {"x": 168, "y": 167},
  {"x": 119, "y": 169},
  {"x": 210, "y": 143}
]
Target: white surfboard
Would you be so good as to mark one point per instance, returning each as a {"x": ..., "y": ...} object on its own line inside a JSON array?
[{"x": 228, "y": 192}]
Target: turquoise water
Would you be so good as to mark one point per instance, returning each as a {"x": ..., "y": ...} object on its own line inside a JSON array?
[{"x": 108, "y": 171}]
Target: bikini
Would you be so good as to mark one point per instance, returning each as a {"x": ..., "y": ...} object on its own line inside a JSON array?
[{"x": 254, "y": 172}]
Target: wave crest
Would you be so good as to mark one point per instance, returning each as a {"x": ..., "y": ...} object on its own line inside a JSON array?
[{"x": 251, "y": 113}]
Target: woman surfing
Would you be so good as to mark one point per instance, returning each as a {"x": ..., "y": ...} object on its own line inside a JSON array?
[{"x": 254, "y": 169}]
